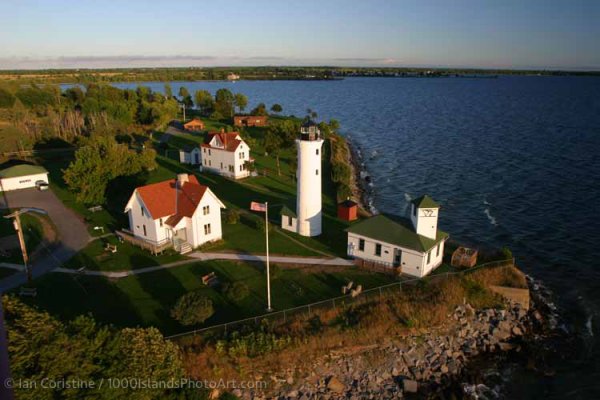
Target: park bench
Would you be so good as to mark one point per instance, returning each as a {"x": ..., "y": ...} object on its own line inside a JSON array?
[
  {"x": 29, "y": 292},
  {"x": 210, "y": 280}
]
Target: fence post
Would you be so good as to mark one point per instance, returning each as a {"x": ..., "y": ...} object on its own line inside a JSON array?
[
  {"x": 333, "y": 301},
  {"x": 380, "y": 295}
]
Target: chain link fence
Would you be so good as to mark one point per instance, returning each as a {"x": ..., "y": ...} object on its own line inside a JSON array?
[{"x": 365, "y": 296}]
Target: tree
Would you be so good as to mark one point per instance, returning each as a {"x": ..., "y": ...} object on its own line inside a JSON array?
[
  {"x": 224, "y": 103},
  {"x": 204, "y": 101},
  {"x": 183, "y": 92},
  {"x": 237, "y": 291},
  {"x": 260, "y": 109},
  {"x": 276, "y": 108},
  {"x": 273, "y": 143},
  {"x": 42, "y": 347},
  {"x": 186, "y": 99},
  {"x": 192, "y": 308},
  {"x": 240, "y": 101},
  {"x": 99, "y": 161},
  {"x": 168, "y": 91}
]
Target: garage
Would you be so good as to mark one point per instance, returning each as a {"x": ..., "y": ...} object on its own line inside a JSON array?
[{"x": 22, "y": 177}]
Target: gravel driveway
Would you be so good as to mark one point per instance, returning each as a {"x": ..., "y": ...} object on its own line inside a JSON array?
[{"x": 72, "y": 231}]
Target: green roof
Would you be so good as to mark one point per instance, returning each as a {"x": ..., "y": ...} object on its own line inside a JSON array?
[
  {"x": 287, "y": 212},
  {"x": 425, "y": 202},
  {"x": 395, "y": 230},
  {"x": 22, "y": 170}
]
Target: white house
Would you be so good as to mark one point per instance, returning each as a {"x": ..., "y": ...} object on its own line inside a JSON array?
[
  {"x": 190, "y": 155},
  {"x": 416, "y": 247},
  {"x": 180, "y": 211},
  {"x": 306, "y": 221},
  {"x": 22, "y": 177},
  {"x": 225, "y": 153}
]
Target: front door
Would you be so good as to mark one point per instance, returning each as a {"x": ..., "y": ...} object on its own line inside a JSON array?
[{"x": 397, "y": 257}]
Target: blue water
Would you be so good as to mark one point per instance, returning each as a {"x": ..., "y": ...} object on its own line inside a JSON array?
[{"x": 514, "y": 161}]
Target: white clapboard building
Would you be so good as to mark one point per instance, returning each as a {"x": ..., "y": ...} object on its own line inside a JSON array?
[
  {"x": 415, "y": 246},
  {"x": 225, "y": 153},
  {"x": 180, "y": 211}
]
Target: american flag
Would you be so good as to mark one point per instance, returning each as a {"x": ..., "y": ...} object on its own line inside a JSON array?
[{"x": 260, "y": 207}]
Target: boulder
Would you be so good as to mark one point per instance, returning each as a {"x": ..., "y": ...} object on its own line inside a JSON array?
[
  {"x": 410, "y": 386},
  {"x": 335, "y": 385}
]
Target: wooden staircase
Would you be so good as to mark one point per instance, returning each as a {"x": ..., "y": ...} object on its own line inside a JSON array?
[{"x": 183, "y": 247}]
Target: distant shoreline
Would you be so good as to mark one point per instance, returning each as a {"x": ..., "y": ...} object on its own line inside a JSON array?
[{"x": 201, "y": 74}]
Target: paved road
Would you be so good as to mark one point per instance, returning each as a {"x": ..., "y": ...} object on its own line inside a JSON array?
[
  {"x": 72, "y": 232},
  {"x": 198, "y": 256}
]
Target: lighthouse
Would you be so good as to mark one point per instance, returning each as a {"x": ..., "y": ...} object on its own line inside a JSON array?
[{"x": 308, "y": 190}]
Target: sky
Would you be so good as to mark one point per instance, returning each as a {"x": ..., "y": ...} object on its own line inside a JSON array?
[{"x": 515, "y": 34}]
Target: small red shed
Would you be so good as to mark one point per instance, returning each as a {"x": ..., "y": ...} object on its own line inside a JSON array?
[{"x": 347, "y": 210}]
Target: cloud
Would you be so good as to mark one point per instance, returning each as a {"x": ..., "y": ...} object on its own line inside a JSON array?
[{"x": 150, "y": 61}]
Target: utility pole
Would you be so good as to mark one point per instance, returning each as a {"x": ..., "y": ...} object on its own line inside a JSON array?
[
  {"x": 18, "y": 227},
  {"x": 268, "y": 268}
]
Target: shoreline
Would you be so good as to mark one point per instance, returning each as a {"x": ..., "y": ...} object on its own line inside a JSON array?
[{"x": 361, "y": 191}]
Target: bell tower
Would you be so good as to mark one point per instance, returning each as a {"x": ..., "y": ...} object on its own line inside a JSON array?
[
  {"x": 424, "y": 216},
  {"x": 308, "y": 190}
]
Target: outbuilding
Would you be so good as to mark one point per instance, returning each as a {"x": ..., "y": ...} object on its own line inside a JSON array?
[
  {"x": 347, "y": 210},
  {"x": 22, "y": 177},
  {"x": 194, "y": 125}
]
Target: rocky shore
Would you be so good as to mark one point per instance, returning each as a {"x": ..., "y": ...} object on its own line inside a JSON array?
[
  {"x": 425, "y": 364},
  {"x": 361, "y": 188}
]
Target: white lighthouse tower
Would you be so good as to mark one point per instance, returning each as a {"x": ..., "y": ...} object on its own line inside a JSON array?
[{"x": 308, "y": 190}]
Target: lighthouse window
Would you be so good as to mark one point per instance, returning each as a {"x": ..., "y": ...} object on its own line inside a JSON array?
[
  {"x": 317, "y": 172},
  {"x": 361, "y": 245},
  {"x": 317, "y": 151},
  {"x": 289, "y": 221},
  {"x": 428, "y": 257},
  {"x": 437, "y": 253}
]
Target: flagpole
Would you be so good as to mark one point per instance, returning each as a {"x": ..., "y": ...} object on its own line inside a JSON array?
[{"x": 268, "y": 268}]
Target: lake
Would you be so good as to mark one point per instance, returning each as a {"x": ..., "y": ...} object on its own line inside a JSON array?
[{"x": 514, "y": 161}]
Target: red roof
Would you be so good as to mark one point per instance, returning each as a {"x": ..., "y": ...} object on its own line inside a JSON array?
[
  {"x": 160, "y": 199},
  {"x": 229, "y": 140},
  {"x": 194, "y": 122}
]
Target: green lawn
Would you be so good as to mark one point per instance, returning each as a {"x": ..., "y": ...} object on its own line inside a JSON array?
[
  {"x": 277, "y": 189},
  {"x": 96, "y": 257},
  {"x": 32, "y": 232},
  {"x": 145, "y": 300}
]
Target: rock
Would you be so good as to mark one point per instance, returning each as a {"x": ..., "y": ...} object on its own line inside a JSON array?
[
  {"x": 214, "y": 394},
  {"x": 506, "y": 346},
  {"x": 444, "y": 369},
  {"x": 395, "y": 372},
  {"x": 410, "y": 386},
  {"x": 293, "y": 394},
  {"x": 517, "y": 331},
  {"x": 335, "y": 385}
]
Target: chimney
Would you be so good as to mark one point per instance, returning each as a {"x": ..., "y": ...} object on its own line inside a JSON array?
[{"x": 181, "y": 179}]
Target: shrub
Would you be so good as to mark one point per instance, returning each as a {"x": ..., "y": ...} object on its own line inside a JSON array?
[
  {"x": 237, "y": 291},
  {"x": 507, "y": 253},
  {"x": 232, "y": 217},
  {"x": 192, "y": 308}
]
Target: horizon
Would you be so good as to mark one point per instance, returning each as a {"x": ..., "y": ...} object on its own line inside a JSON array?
[{"x": 512, "y": 35}]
